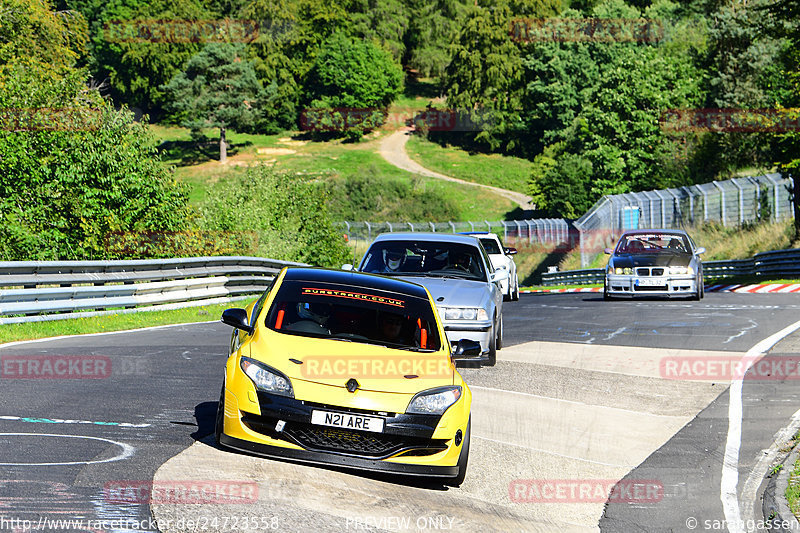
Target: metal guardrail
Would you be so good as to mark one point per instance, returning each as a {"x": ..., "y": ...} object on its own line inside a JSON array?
[
  {"x": 774, "y": 264},
  {"x": 33, "y": 291}
]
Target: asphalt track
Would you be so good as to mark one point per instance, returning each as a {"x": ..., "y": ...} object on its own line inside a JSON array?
[{"x": 583, "y": 396}]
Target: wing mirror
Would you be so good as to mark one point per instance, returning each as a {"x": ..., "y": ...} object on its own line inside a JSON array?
[
  {"x": 509, "y": 250},
  {"x": 608, "y": 251},
  {"x": 699, "y": 251},
  {"x": 347, "y": 266},
  {"x": 237, "y": 318},
  {"x": 499, "y": 275}
]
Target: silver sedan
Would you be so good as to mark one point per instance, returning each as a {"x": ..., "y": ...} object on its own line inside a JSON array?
[
  {"x": 459, "y": 275},
  {"x": 658, "y": 262}
]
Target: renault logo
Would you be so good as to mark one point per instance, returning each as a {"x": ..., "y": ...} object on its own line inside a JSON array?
[{"x": 351, "y": 385}]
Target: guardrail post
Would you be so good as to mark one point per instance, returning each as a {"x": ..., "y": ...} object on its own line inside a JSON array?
[
  {"x": 452, "y": 225},
  {"x": 774, "y": 183}
]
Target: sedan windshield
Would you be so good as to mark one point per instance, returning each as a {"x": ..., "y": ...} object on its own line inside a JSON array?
[
  {"x": 653, "y": 243},
  {"x": 357, "y": 314},
  {"x": 436, "y": 259}
]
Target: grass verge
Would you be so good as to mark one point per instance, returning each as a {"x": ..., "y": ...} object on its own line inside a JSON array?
[
  {"x": 106, "y": 323},
  {"x": 506, "y": 172}
]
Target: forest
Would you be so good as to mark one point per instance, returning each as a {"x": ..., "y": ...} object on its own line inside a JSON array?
[{"x": 588, "y": 90}]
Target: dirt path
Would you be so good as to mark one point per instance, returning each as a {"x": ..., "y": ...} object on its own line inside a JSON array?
[{"x": 393, "y": 150}]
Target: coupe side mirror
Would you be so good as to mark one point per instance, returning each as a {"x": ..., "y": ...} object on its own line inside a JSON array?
[
  {"x": 347, "y": 266},
  {"x": 608, "y": 251},
  {"x": 509, "y": 250},
  {"x": 237, "y": 318},
  {"x": 699, "y": 251},
  {"x": 467, "y": 347}
]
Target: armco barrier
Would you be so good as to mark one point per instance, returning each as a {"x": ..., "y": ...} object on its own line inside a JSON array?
[
  {"x": 774, "y": 264},
  {"x": 32, "y": 291}
]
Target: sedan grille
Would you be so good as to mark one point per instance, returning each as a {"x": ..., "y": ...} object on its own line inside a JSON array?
[{"x": 647, "y": 271}]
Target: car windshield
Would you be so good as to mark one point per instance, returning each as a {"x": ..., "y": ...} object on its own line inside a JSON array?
[
  {"x": 490, "y": 245},
  {"x": 436, "y": 259},
  {"x": 649, "y": 243},
  {"x": 352, "y": 313}
]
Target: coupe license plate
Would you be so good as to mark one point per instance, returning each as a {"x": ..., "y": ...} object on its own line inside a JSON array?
[
  {"x": 650, "y": 282},
  {"x": 344, "y": 420}
]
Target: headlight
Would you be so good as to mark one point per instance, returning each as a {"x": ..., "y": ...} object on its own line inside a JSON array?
[
  {"x": 465, "y": 313},
  {"x": 434, "y": 401},
  {"x": 266, "y": 379},
  {"x": 681, "y": 270},
  {"x": 627, "y": 271}
]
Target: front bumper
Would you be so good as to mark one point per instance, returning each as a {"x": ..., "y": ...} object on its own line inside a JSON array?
[
  {"x": 632, "y": 285},
  {"x": 475, "y": 331},
  {"x": 406, "y": 445}
]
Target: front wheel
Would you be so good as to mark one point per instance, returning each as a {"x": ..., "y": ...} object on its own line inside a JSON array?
[
  {"x": 606, "y": 296},
  {"x": 515, "y": 297},
  {"x": 492, "y": 348}
]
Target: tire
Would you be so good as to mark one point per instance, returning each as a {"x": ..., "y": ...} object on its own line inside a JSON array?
[
  {"x": 463, "y": 459},
  {"x": 492, "y": 349},
  {"x": 606, "y": 296},
  {"x": 515, "y": 295},
  {"x": 498, "y": 343},
  {"x": 700, "y": 291},
  {"x": 219, "y": 424}
]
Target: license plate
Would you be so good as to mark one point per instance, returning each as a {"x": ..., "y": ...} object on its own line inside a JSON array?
[
  {"x": 348, "y": 421},
  {"x": 650, "y": 282}
]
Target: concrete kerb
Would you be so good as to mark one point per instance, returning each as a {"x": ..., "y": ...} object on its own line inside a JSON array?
[{"x": 775, "y": 506}]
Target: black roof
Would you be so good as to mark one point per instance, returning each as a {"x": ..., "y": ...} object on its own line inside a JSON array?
[{"x": 356, "y": 279}]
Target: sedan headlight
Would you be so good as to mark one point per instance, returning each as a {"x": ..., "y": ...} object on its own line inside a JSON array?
[
  {"x": 626, "y": 271},
  {"x": 434, "y": 401},
  {"x": 681, "y": 270},
  {"x": 465, "y": 313},
  {"x": 266, "y": 379}
]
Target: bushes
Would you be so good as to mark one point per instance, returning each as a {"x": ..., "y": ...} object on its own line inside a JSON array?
[{"x": 288, "y": 215}]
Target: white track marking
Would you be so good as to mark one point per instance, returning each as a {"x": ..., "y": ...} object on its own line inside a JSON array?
[
  {"x": 127, "y": 450},
  {"x": 730, "y": 463}
]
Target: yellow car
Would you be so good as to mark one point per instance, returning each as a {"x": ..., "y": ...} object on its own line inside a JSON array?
[{"x": 347, "y": 369}]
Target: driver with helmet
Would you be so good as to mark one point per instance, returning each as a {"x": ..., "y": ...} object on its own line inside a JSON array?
[{"x": 393, "y": 260}]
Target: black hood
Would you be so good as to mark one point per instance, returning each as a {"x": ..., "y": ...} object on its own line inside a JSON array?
[{"x": 645, "y": 260}]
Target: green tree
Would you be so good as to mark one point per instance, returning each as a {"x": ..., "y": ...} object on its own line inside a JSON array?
[
  {"x": 433, "y": 27},
  {"x": 485, "y": 73},
  {"x": 351, "y": 74},
  {"x": 218, "y": 88},
  {"x": 137, "y": 66}
]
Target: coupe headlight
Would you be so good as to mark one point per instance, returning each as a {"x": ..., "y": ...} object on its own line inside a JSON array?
[
  {"x": 681, "y": 270},
  {"x": 626, "y": 271},
  {"x": 434, "y": 401},
  {"x": 465, "y": 313},
  {"x": 266, "y": 379}
]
